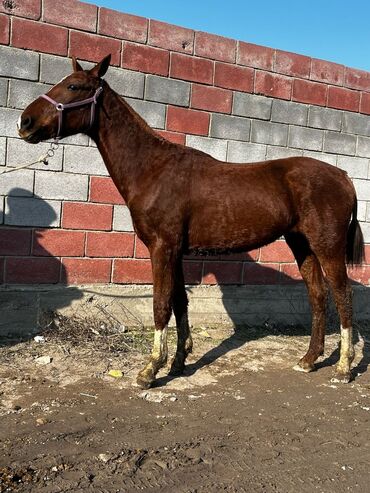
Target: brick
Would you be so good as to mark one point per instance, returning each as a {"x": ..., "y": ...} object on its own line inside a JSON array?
[
  {"x": 3, "y": 92},
  {"x": 321, "y": 156},
  {"x": 141, "y": 250},
  {"x": 328, "y": 72},
  {"x": 86, "y": 270},
  {"x": 91, "y": 47},
  {"x": 278, "y": 251},
  {"x": 252, "y": 106},
  {"x": 20, "y": 152},
  {"x": 165, "y": 90},
  {"x": 191, "y": 68},
  {"x": 87, "y": 216},
  {"x": 343, "y": 99},
  {"x": 222, "y": 273},
  {"x": 19, "y": 64},
  {"x": 18, "y": 184},
  {"x": 122, "y": 26},
  {"x": 15, "y": 241},
  {"x": 357, "y": 79},
  {"x": 260, "y": 274},
  {"x": 356, "y": 167},
  {"x": 273, "y": 85},
  {"x": 24, "y": 211},
  {"x": 126, "y": 82},
  {"x": 244, "y": 152},
  {"x": 230, "y": 127},
  {"x": 153, "y": 113},
  {"x": 290, "y": 273},
  {"x": 27, "y": 8},
  {"x": 255, "y": 56},
  {"x": 103, "y": 190},
  {"x": 211, "y": 98},
  {"x": 215, "y": 47},
  {"x": 306, "y": 91},
  {"x": 170, "y": 37},
  {"x": 37, "y": 36},
  {"x": 305, "y": 138},
  {"x": 132, "y": 271},
  {"x": 32, "y": 270},
  {"x": 8, "y": 122},
  {"x": 84, "y": 160},
  {"x": 187, "y": 121},
  {"x": 288, "y": 112},
  {"x": 360, "y": 274},
  {"x": 23, "y": 92},
  {"x": 269, "y": 133},
  {"x": 145, "y": 59},
  {"x": 122, "y": 220},
  {"x": 214, "y": 147},
  {"x": 325, "y": 118},
  {"x": 175, "y": 137},
  {"x": 365, "y": 103},
  {"x": 4, "y": 29},
  {"x": 340, "y": 143},
  {"x": 78, "y": 15},
  {"x": 58, "y": 243},
  {"x": 276, "y": 152},
  {"x": 356, "y": 124},
  {"x": 363, "y": 146},
  {"x": 292, "y": 64},
  {"x": 109, "y": 244},
  {"x": 62, "y": 186},
  {"x": 234, "y": 77},
  {"x": 192, "y": 272}
]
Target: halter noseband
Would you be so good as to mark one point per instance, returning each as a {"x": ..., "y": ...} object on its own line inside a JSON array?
[{"x": 60, "y": 107}]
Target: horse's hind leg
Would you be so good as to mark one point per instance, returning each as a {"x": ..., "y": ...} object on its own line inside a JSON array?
[
  {"x": 311, "y": 272},
  {"x": 180, "y": 308}
]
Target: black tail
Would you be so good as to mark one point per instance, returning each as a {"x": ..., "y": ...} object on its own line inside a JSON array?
[{"x": 355, "y": 251}]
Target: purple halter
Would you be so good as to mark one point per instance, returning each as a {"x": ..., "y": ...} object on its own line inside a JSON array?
[{"x": 60, "y": 107}]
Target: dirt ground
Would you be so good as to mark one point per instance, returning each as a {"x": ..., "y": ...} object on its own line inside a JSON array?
[{"x": 239, "y": 420}]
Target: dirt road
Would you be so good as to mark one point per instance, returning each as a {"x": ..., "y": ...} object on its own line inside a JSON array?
[{"x": 239, "y": 420}]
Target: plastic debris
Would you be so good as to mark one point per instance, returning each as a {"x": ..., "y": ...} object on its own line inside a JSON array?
[
  {"x": 115, "y": 373},
  {"x": 39, "y": 339},
  {"x": 44, "y": 360}
]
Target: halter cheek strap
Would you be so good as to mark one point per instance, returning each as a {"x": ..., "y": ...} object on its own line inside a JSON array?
[{"x": 60, "y": 107}]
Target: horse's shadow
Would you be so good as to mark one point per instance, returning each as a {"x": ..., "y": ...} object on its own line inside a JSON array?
[{"x": 243, "y": 334}]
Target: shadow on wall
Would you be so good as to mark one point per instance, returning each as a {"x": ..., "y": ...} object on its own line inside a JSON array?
[{"x": 24, "y": 310}]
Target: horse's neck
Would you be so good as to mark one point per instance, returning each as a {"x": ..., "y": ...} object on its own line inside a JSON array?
[{"x": 125, "y": 142}]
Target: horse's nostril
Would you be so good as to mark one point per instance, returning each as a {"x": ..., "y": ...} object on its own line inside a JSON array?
[{"x": 26, "y": 123}]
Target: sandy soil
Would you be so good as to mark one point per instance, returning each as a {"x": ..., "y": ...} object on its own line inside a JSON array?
[{"x": 239, "y": 420}]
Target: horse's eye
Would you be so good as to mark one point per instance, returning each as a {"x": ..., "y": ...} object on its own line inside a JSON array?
[{"x": 72, "y": 87}]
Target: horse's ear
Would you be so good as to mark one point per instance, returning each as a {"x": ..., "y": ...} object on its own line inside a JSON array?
[
  {"x": 76, "y": 66},
  {"x": 100, "y": 69}
]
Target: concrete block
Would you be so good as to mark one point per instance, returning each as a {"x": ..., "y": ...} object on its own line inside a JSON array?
[
  {"x": 2, "y": 151},
  {"x": 269, "y": 133},
  {"x": 288, "y": 112},
  {"x": 22, "y": 211},
  {"x": 153, "y": 113},
  {"x": 363, "y": 190},
  {"x": 276, "y": 152},
  {"x": 366, "y": 232},
  {"x": 122, "y": 218},
  {"x": 19, "y": 64},
  {"x": 84, "y": 160},
  {"x": 252, "y": 106},
  {"x": 321, "y": 156},
  {"x": 3, "y": 92},
  {"x": 325, "y": 118},
  {"x": 20, "y": 152},
  {"x": 17, "y": 184},
  {"x": 340, "y": 143},
  {"x": 216, "y": 148},
  {"x": 62, "y": 186},
  {"x": 126, "y": 82},
  {"x": 305, "y": 138},
  {"x": 77, "y": 139},
  {"x": 230, "y": 127},
  {"x": 356, "y": 167},
  {"x": 363, "y": 211},
  {"x": 2, "y": 200},
  {"x": 363, "y": 146},
  {"x": 54, "y": 68},
  {"x": 355, "y": 123},
  {"x": 22, "y": 313},
  {"x": 23, "y": 92},
  {"x": 168, "y": 91},
  {"x": 244, "y": 152},
  {"x": 8, "y": 122}
]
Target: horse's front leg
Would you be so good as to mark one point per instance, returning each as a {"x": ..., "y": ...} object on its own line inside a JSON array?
[{"x": 163, "y": 265}]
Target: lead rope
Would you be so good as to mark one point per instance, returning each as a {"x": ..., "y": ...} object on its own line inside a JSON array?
[{"x": 42, "y": 159}]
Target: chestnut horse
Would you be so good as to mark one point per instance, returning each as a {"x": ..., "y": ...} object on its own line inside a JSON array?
[{"x": 183, "y": 200}]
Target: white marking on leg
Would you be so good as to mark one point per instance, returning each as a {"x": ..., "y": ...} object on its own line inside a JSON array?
[
  {"x": 346, "y": 351},
  {"x": 159, "y": 352}
]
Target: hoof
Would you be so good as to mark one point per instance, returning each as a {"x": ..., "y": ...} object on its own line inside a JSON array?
[
  {"x": 304, "y": 367},
  {"x": 143, "y": 382},
  {"x": 176, "y": 371},
  {"x": 342, "y": 378}
]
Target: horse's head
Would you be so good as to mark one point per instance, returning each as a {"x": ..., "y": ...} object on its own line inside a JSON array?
[{"x": 58, "y": 113}]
